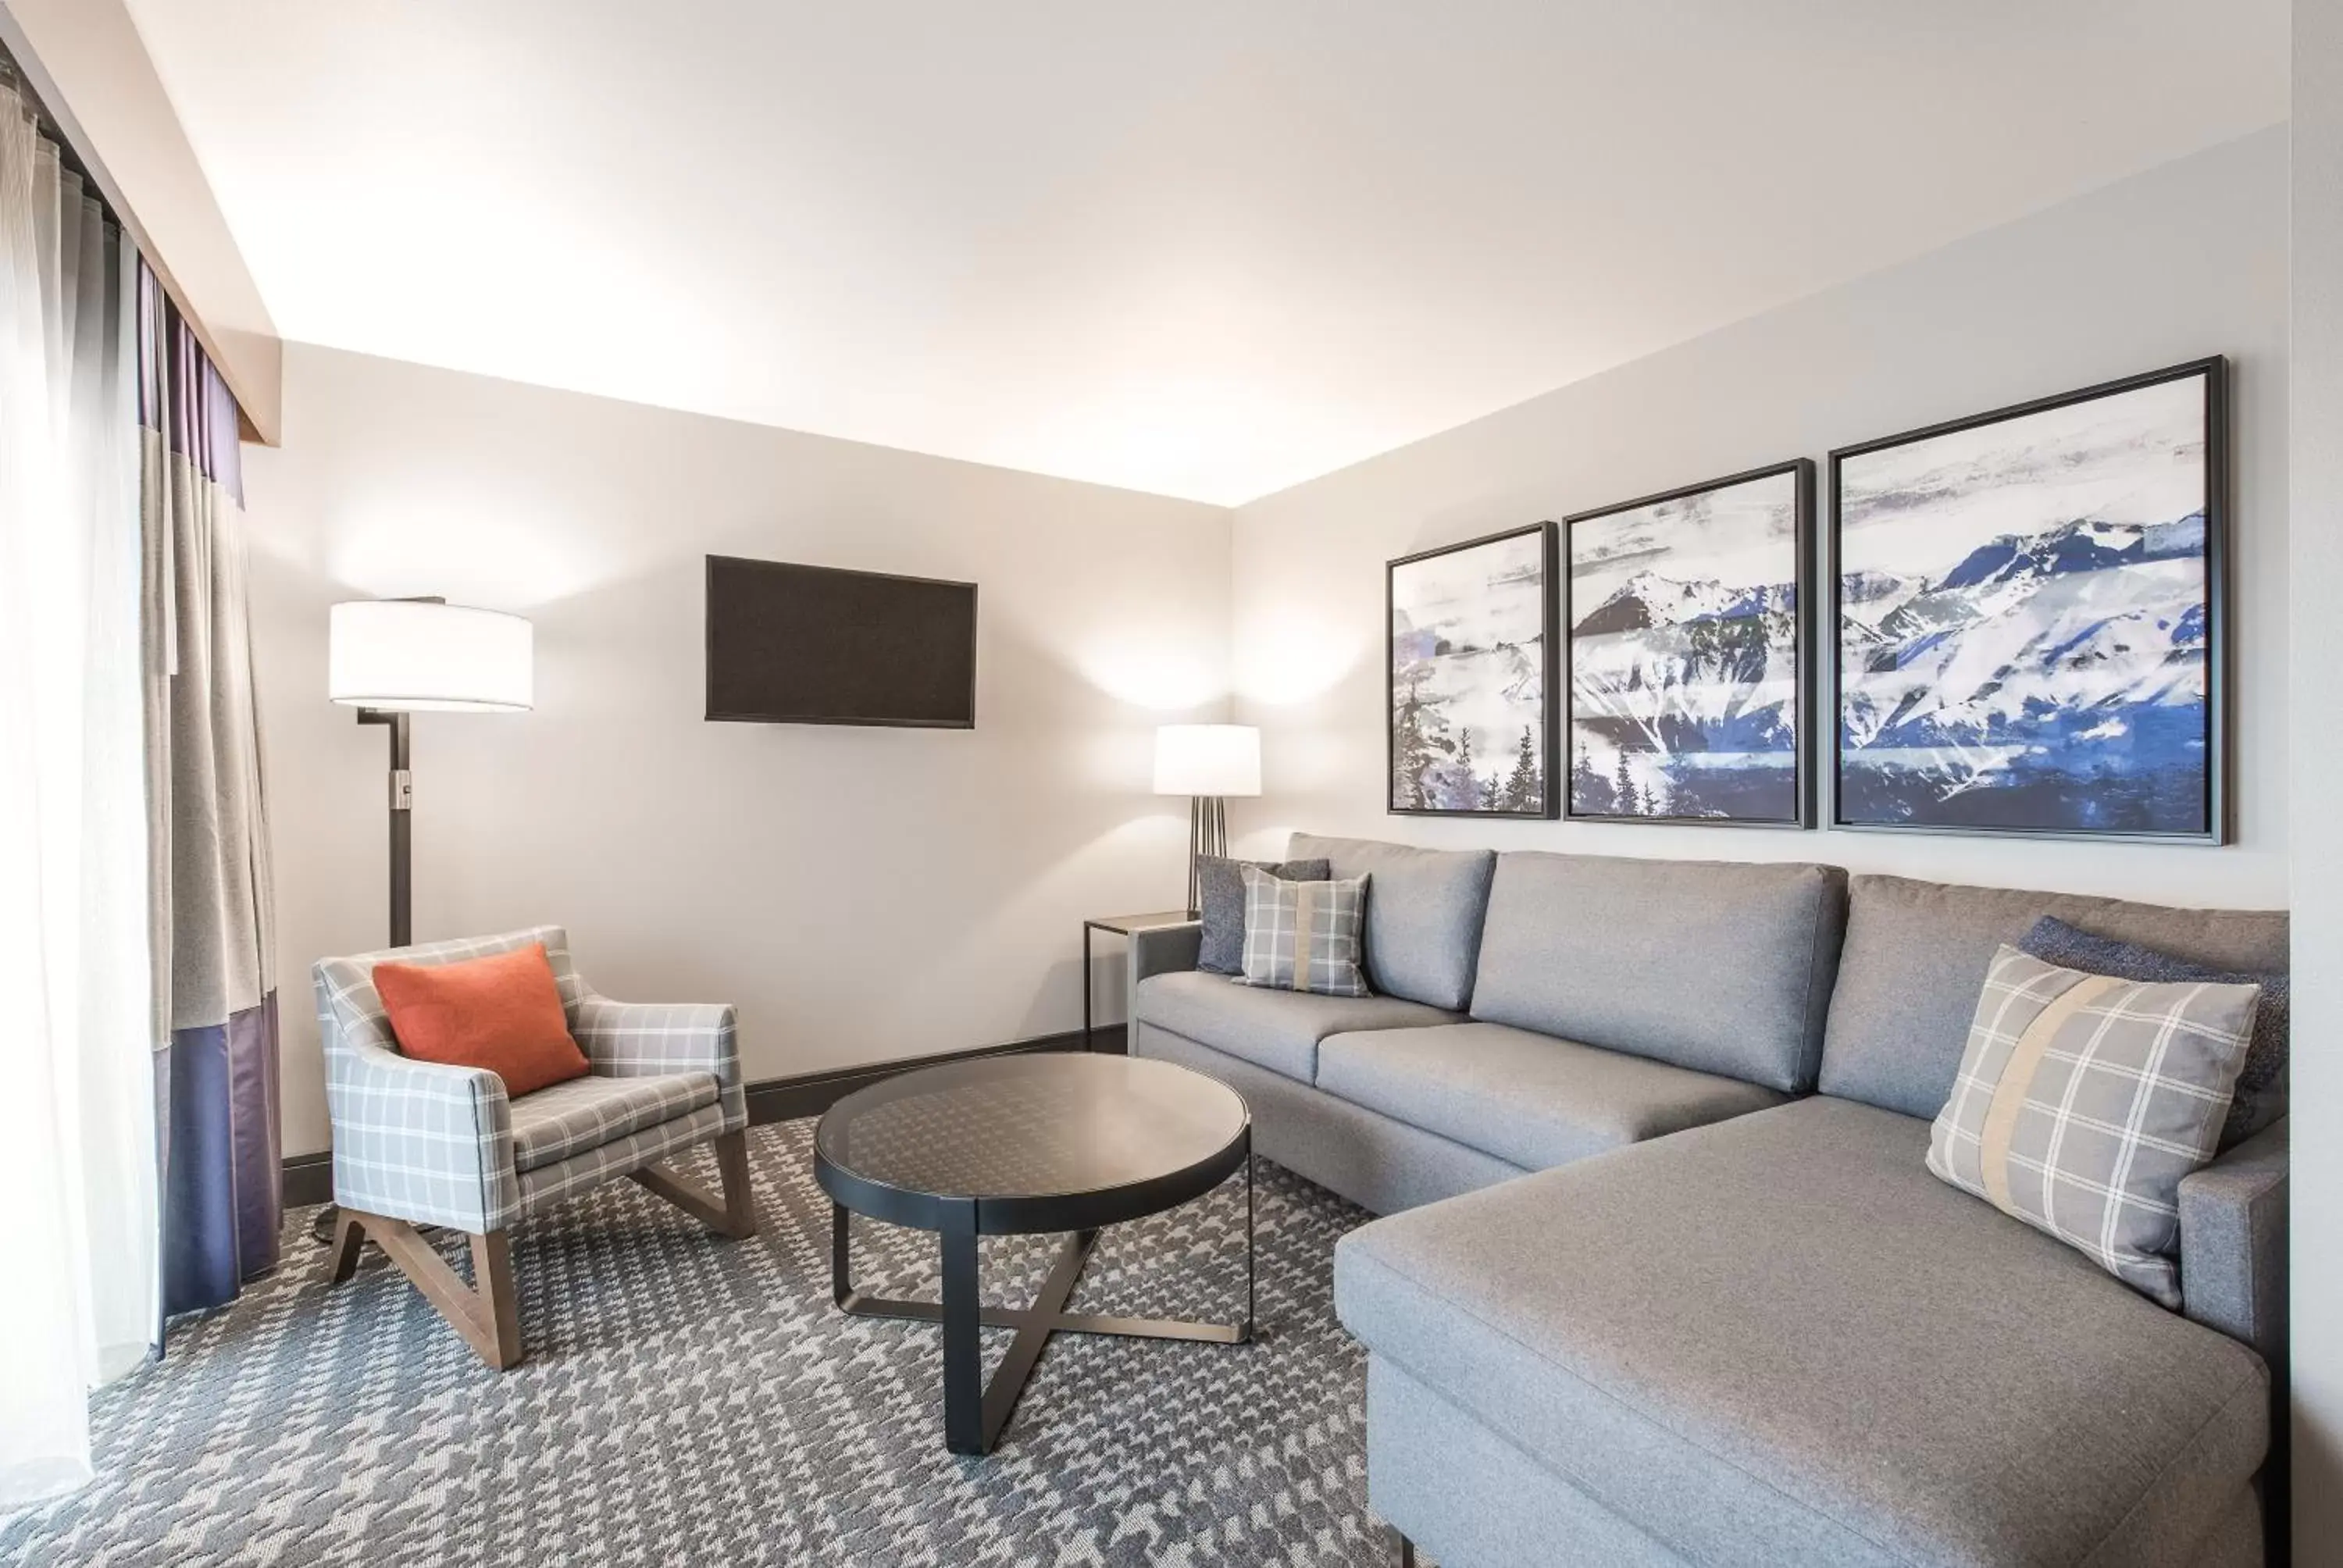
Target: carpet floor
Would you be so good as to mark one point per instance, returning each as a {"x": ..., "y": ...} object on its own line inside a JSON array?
[{"x": 690, "y": 1400}]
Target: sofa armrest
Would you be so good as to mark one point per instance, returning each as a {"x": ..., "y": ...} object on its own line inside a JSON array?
[
  {"x": 424, "y": 1141},
  {"x": 2233, "y": 1243},
  {"x": 1158, "y": 949},
  {"x": 1163, "y": 950},
  {"x": 650, "y": 1039}
]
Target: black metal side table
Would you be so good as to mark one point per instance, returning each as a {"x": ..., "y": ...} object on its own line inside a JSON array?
[
  {"x": 1020, "y": 1145},
  {"x": 1120, "y": 925}
]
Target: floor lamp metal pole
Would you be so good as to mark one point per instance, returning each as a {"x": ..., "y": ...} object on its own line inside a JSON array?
[
  {"x": 402, "y": 824},
  {"x": 1208, "y": 834}
]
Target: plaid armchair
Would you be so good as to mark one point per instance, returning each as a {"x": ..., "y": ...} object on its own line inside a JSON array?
[{"x": 428, "y": 1143}]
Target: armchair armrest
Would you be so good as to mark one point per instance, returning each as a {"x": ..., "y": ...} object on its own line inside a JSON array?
[
  {"x": 647, "y": 1038},
  {"x": 2233, "y": 1243},
  {"x": 423, "y": 1141}
]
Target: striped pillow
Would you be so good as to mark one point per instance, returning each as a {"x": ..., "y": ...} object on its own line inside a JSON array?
[
  {"x": 1303, "y": 936},
  {"x": 2084, "y": 1099}
]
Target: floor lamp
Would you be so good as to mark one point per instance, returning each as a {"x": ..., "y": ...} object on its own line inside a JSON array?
[
  {"x": 1207, "y": 763},
  {"x": 392, "y": 657}
]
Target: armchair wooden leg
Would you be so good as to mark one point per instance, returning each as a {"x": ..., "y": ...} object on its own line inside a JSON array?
[
  {"x": 349, "y": 1239},
  {"x": 735, "y": 1217},
  {"x": 487, "y": 1312}
]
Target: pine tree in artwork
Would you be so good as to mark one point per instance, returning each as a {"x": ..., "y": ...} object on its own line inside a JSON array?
[
  {"x": 1411, "y": 753},
  {"x": 1525, "y": 789},
  {"x": 1590, "y": 793},
  {"x": 1464, "y": 776},
  {"x": 1492, "y": 794},
  {"x": 1629, "y": 804}
]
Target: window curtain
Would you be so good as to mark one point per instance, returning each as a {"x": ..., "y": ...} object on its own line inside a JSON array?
[
  {"x": 78, "y": 1105},
  {"x": 213, "y": 938}
]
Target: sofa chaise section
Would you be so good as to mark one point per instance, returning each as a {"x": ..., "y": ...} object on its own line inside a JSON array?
[{"x": 1780, "y": 1339}]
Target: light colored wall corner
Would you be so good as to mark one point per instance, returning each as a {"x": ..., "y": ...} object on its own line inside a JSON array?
[
  {"x": 85, "y": 60},
  {"x": 2317, "y": 1178},
  {"x": 2186, "y": 260},
  {"x": 860, "y": 894}
]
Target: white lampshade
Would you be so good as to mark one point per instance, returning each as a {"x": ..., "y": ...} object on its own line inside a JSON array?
[
  {"x": 413, "y": 654},
  {"x": 1207, "y": 759}
]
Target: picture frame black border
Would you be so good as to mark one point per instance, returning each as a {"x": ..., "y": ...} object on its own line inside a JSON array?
[
  {"x": 1551, "y": 658},
  {"x": 707, "y": 649},
  {"x": 1804, "y": 702},
  {"x": 2219, "y": 748}
]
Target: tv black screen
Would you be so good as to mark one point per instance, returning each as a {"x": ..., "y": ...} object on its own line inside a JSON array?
[{"x": 815, "y": 645}]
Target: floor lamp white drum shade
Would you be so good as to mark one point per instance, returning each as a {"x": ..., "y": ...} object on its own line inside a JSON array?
[
  {"x": 1213, "y": 760},
  {"x": 1207, "y": 763},
  {"x": 418, "y": 655}
]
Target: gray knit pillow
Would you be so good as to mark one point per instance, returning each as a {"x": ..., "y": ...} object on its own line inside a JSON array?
[
  {"x": 2261, "y": 1088},
  {"x": 1221, "y": 884}
]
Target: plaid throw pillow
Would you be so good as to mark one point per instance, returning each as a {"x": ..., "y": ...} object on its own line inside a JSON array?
[
  {"x": 2084, "y": 1099},
  {"x": 1303, "y": 936}
]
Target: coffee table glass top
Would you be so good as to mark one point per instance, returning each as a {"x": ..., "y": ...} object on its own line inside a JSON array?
[{"x": 1048, "y": 1124}]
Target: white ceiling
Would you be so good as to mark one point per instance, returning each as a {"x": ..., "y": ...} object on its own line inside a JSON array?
[{"x": 1209, "y": 248}]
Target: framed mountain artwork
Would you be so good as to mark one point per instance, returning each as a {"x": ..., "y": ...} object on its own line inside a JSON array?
[
  {"x": 1471, "y": 665},
  {"x": 2029, "y": 616},
  {"x": 1689, "y": 676}
]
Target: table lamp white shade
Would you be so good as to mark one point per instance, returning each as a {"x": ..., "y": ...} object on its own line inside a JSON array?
[
  {"x": 1211, "y": 760},
  {"x": 416, "y": 656}
]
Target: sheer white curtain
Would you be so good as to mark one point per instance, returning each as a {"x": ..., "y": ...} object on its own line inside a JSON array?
[{"x": 77, "y": 1154}]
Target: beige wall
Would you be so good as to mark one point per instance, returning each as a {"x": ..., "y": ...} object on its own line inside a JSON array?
[
  {"x": 861, "y": 894},
  {"x": 2317, "y": 1178},
  {"x": 2187, "y": 260}
]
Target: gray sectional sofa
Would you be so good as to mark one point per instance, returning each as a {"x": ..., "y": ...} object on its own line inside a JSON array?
[{"x": 1664, "y": 1277}]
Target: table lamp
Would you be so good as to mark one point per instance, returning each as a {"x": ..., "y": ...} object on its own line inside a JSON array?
[
  {"x": 1207, "y": 763},
  {"x": 394, "y": 657}
]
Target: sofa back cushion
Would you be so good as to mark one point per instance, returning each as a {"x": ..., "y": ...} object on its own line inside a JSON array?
[
  {"x": 1718, "y": 967},
  {"x": 1916, "y": 959},
  {"x": 1424, "y": 909}
]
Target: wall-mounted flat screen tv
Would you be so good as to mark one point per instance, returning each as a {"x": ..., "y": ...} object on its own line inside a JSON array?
[{"x": 815, "y": 645}]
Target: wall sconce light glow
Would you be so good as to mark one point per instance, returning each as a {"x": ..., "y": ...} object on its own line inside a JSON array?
[
  {"x": 1212, "y": 761},
  {"x": 415, "y": 654}
]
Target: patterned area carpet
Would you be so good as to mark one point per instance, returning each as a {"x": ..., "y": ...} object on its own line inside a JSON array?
[{"x": 691, "y": 1399}]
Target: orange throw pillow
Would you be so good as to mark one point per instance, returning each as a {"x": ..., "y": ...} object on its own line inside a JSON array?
[{"x": 502, "y": 1012}]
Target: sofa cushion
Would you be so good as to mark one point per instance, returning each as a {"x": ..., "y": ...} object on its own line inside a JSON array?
[
  {"x": 1528, "y": 1098},
  {"x": 1718, "y": 967},
  {"x": 1780, "y": 1339},
  {"x": 583, "y": 1113},
  {"x": 1916, "y": 958},
  {"x": 1278, "y": 1029},
  {"x": 1423, "y": 912}
]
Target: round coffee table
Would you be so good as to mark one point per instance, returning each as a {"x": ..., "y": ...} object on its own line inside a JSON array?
[{"x": 1015, "y": 1145}]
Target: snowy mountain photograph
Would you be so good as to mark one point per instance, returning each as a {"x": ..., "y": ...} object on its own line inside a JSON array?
[
  {"x": 2026, "y": 617},
  {"x": 1685, "y": 656},
  {"x": 1469, "y": 640}
]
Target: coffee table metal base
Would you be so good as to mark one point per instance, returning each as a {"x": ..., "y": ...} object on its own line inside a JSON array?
[{"x": 975, "y": 1410}]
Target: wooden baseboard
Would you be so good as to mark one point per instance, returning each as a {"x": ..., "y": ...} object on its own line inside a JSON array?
[{"x": 309, "y": 1178}]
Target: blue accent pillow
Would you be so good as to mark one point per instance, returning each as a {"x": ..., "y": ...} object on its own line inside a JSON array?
[
  {"x": 1221, "y": 896},
  {"x": 2261, "y": 1086}
]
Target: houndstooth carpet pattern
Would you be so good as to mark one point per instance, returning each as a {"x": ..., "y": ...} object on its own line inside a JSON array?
[{"x": 692, "y": 1399}]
